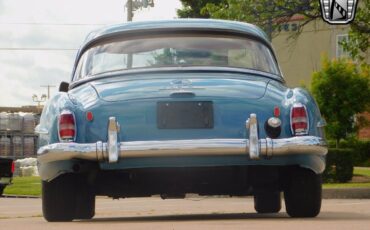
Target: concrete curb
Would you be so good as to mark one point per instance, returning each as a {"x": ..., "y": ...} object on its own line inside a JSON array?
[
  {"x": 19, "y": 196},
  {"x": 346, "y": 193},
  {"x": 327, "y": 193}
]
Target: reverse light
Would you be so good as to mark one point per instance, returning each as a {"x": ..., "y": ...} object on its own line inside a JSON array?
[
  {"x": 299, "y": 120},
  {"x": 67, "y": 126}
]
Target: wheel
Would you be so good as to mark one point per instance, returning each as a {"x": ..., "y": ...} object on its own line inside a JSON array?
[
  {"x": 302, "y": 193},
  {"x": 85, "y": 201},
  {"x": 267, "y": 202},
  {"x": 66, "y": 198}
]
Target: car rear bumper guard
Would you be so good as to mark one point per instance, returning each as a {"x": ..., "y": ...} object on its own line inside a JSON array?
[{"x": 113, "y": 150}]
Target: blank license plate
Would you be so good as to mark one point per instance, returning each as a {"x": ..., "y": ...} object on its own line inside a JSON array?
[{"x": 185, "y": 115}]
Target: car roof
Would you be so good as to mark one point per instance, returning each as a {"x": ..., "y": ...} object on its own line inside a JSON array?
[
  {"x": 181, "y": 24},
  {"x": 210, "y": 25}
]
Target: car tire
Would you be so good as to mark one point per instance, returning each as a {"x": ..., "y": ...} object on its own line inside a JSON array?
[
  {"x": 302, "y": 193},
  {"x": 85, "y": 201},
  {"x": 267, "y": 202},
  {"x": 67, "y": 197}
]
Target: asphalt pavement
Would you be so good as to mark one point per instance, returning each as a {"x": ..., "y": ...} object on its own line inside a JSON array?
[{"x": 190, "y": 213}]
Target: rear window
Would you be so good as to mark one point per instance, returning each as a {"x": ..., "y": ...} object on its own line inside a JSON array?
[{"x": 176, "y": 51}]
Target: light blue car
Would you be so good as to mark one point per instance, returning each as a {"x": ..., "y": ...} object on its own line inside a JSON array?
[{"x": 176, "y": 107}]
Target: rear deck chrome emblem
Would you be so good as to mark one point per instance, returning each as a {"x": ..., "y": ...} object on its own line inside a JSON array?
[{"x": 338, "y": 11}]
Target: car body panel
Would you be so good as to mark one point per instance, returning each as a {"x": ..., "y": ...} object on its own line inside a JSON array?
[{"x": 132, "y": 97}]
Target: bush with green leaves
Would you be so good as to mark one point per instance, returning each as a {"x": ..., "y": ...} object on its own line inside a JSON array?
[
  {"x": 361, "y": 150},
  {"x": 342, "y": 90},
  {"x": 339, "y": 165}
]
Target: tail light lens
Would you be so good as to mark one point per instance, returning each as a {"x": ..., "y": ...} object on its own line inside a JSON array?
[
  {"x": 13, "y": 167},
  {"x": 299, "y": 120},
  {"x": 67, "y": 126}
]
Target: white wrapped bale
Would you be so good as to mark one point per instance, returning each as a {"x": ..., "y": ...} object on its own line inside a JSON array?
[
  {"x": 27, "y": 162},
  {"x": 29, "y": 171},
  {"x": 26, "y": 167}
]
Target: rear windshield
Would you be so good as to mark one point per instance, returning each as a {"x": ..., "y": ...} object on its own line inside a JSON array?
[{"x": 176, "y": 51}]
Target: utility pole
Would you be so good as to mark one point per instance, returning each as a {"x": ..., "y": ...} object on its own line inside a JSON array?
[
  {"x": 131, "y": 6},
  {"x": 48, "y": 86},
  {"x": 130, "y": 13}
]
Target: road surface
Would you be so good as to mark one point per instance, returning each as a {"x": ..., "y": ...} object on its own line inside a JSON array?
[{"x": 191, "y": 213}]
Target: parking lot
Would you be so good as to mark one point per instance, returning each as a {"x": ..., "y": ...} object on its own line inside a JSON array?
[{"x": 194, "y": 213}]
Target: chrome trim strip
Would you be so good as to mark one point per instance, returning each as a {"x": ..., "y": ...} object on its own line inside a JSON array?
[{"x": 199, "y": 147}]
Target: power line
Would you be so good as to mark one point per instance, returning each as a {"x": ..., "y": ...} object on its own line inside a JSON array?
[
  {"x": 36, "y": 49},
  {"x": 48, "y": 87},
  {"x": 50, "y": 24}
]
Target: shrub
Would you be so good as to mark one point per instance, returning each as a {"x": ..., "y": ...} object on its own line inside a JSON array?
[
  {"x": 361, "y": 150},
  {"x": 339, "y": 165},
  {"x": 342, "y": 90}
]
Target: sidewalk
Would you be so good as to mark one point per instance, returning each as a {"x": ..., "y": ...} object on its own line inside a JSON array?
[{"x": 346, "y": 193}]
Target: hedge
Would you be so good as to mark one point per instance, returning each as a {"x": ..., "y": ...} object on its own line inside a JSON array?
[
  {"x": 361, "y": 150},
  {"x": 339, "y": 165}
]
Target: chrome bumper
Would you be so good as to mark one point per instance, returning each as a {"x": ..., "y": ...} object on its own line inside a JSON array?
[
  {"x": 5, "y": 180},
  {"x": 113, "y": 150}
]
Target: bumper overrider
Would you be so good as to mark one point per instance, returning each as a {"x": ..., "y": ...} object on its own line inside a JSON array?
[{"x": 113, "y": 150}]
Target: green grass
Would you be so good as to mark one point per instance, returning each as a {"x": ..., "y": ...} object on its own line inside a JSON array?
[
  {"x": 347, "y": 185},
  {"x": 30, "y": 186},
  {"x": 362, "y": 171}
]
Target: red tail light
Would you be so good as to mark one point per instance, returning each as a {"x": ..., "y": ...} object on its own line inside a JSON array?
[
  {"x": 299, "y": 120},
  {"x": 67, "y": 126},
  {"x": 13, "y": 167}
]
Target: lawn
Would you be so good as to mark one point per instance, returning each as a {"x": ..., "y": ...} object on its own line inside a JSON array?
[
  {"x": 347, "y": 185},
  {"x": 32, "y": 185},
  {"x": 24, "y": 186},
  {"x": 362, "y": 171}
]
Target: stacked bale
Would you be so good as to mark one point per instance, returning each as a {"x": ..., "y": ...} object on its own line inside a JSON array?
[
  {"x": 29, "y": 147},
  {"x": 17, "y": 134},
  {"x": 4, "y": 121},
  {"x": 29, "y": 123},
  {"x": 5, "y": 146},
  {"x": 17, "y": 146},
  {"x": 15, "y": 122}
]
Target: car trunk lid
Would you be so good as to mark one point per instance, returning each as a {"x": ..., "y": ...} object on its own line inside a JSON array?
[{"x": 159, "y": 86}]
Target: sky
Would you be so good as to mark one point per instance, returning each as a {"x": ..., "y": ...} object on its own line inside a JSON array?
[{"x": 39, "y": 40}]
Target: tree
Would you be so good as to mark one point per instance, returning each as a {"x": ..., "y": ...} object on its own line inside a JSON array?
[
  {"x": 341, "y": 90},
  {"x": 194, "y": 8},
  {"x": 269, "y": 15},
  {"x": 358, "y": 41}
]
